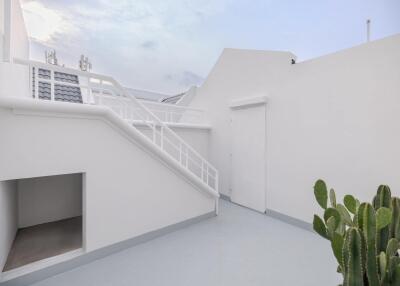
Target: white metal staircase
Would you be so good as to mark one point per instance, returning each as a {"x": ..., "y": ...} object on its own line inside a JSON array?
[{"x": 103, "y": 90}]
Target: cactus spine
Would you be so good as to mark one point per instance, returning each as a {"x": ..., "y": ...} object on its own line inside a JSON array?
[{"x": 364, "y": 237}]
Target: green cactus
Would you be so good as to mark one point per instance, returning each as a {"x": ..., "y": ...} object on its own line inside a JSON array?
[
  {"x": 370, "y": 233},
  {"x": 395, "y": 225},
  {"x": 353, "y": 266},
  {"x": 364, "y": 237},
  {"x": 383, "y": 199}
]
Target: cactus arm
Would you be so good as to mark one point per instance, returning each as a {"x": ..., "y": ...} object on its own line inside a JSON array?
[
  {"x": 360, "y": 215},
  {"x": 394, "y": 262},
  {"x": 319, "y": 227},
  {"x": 369, "y": 230},
  {"x": 392, "y": 247},
  {"x": 396, "y": 276},
  {"x": 332, "y": 198},
  {"x": 351, "y": 203},
  {"x": 321, "y": 193},
  {"x": 354, "y": 267},
  {"x": 337, "y": 243},
  {"x": 344, "y": 214},
  {"x": 395, "y": 224},
  {"x": 383, "y": 219},
  {"x": 383, "y": 199},
  {"x": 331, "y": 212},
  {"x": 382, "y": 266}
]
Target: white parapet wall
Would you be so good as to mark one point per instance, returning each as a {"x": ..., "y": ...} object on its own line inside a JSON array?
[
  {"x": 335, "y": 117},
  {"x": 128, "y": 190},
  {"x": 14, "y": 80}
]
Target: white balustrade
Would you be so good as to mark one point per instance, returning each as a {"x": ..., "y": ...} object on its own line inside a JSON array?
[{"x": 103, "y": 90}]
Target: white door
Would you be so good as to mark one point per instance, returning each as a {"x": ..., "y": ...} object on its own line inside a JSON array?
[{"x": 248, "y": 157}]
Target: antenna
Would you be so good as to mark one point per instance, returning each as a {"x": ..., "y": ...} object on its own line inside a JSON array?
[
  {"x": 85, "y": 64},
  {"x": 51, "y": 57},
  {"x": 368, "y": 30}
]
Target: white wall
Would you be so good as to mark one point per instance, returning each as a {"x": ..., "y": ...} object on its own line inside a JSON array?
[
  {"x": 237, "y": 74},
  {"x": 47, "y": 199},
  {"x": 1, "y": 30},
  {"x": 8, "y": 218},
  {"x": 128, "y": 191},
  {"x": 14, "y": 80},
  {"x": 16, "y": 42},
  {"x": 334, "y": 117},
  {"x": 187, "y": 98}
]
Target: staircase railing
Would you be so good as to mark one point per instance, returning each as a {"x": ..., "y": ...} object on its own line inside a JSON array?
[
  {"x": 172, "y": 113},
  {"x": 103, "y": 90}
]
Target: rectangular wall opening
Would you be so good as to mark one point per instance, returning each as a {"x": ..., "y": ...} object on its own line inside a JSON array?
[{"x": 41, "y": 218}]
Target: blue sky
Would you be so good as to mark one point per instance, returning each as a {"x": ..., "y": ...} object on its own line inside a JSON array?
[{"x": 169, "y": 45}]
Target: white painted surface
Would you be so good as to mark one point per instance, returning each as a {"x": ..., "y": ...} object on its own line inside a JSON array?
[
  {"x": 239, "y": 247},
  {"x": 238, "y": 74},
  {"x": 129, "y": 190},
  {"x": 16, "y": 37},
  {"x": 8, "y": 218},
  {"x": 1, "y": 30},
  {"x": 248, "y": 102},
  {"x": 187, "y": 98},
  {"x": 47, "y": 199},
  {"x": 14, "y": 80},
  {"x": 334, "y": 117},
  {"x": 248, "y": 157}
]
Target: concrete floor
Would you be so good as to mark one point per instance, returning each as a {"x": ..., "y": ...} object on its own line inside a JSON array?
[
  {"x": 43, "y": 241},
  {"x": 239, "y": 247}
]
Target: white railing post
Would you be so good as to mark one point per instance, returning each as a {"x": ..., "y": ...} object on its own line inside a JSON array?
[
  {"x": 180, "y": 153},
  {"x": 162, "y": 138},
  {"x": 154, "y": 133},
  {"x": 52, "y": 88},
  {"x": 187, "y": 158},
  {"x": 216, "y": 182},
  {"x": 36, "y": 82},
  {"x": 90, "y": 99},
  {"x": 202, "y": 170},
  {"x": 207, "y": 173},
  {"x": 31, "y": 80}
]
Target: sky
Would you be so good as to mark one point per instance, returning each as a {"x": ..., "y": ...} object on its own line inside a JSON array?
[{"x": 169, "y": 45}]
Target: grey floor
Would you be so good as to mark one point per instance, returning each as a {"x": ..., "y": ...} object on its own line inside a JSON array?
[
  {"x": 43, "y": 241},
  {"x": 239, "y": 247}
]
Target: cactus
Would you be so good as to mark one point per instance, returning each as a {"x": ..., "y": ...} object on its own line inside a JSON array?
[{"x": 364, "y": 237}]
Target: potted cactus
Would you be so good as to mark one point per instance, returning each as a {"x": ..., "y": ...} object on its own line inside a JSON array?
[{"x": 364, "y": 236}]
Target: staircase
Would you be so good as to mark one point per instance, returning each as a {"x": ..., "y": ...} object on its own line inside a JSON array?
[{"x": 101, "y": 90}]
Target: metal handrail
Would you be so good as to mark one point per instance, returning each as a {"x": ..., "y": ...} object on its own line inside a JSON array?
[{"x": 106, "y": 91}]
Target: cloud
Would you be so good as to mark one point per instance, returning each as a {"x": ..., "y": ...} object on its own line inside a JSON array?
[
  {"x": 45, "y": 23},
  {"x": 186, "y": 78},
  {"x": 149, "y": 45},
  {"x": 118, "y": 36},
  {"x": 168, "y": 45}
]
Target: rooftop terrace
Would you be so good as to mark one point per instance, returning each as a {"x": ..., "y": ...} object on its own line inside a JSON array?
[{"x": 239, "y": 247}]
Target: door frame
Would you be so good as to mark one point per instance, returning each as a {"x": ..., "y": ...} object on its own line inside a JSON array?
[{"x": 248, "y": 103}]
